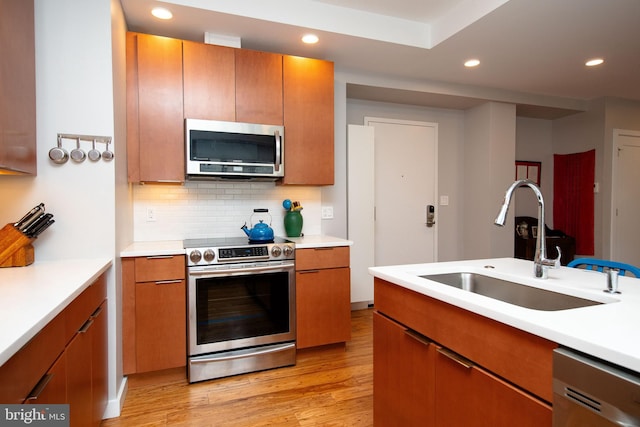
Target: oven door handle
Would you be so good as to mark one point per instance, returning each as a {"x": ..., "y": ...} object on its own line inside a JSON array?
[
  {"x": 242, "y": 354},
  {"x": 239, "y": 271}
]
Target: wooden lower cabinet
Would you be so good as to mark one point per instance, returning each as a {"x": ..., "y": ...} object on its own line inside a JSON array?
[
  {"x": 420, "y": 381},
  {"x": 66, "y": 362},
  {"x": 403, "y": 376},
  {"x": 78, "y": 355},
  {"x": 54, "y": 384},
  {"x": 324, "y": 307},
  {"x": 154, "y": 313},
  {"x": 467, "y": 395},
  {"x": 161, "y": 322},
  {"x": 323, "y": 296}
]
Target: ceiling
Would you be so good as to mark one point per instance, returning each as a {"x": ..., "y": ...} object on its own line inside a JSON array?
[{"x": 532, "y": 52}]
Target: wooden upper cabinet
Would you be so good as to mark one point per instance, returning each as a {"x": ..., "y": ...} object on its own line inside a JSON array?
[
  {"x": 308, "y": 121},
  {"x": 209, "y": 81},
  {"x": 155, "y": 125},
  {"x": 259, "y": 87},
  {"x": 17, "y": 88}
]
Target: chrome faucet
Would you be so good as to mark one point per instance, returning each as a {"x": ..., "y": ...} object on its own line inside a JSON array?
[{"x": 540, "y": 262}]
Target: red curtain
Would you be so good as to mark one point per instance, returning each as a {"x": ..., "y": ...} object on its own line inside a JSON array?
[{"x": 573, "y": 202}]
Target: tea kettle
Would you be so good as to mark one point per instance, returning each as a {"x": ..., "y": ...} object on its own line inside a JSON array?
[{"x": 259, "y": 232}]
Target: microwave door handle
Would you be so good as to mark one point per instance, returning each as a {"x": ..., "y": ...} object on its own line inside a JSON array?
[{"x": 278, "y": 151}]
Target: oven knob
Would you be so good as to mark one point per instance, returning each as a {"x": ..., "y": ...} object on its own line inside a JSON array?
[
  {"x": 209, "y": 255},
  {"x": 195, "y": 256},
  {"x": 276, "y": 251},
  {"x": 288, "y": 250}
]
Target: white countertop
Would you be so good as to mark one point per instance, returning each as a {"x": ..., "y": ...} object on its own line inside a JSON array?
[
  {"x": 154, "y": 248},
  {"x": 31, "y": 296},
  {"x": 318, "y": 241},
  {"x": 608, "y": 331}
]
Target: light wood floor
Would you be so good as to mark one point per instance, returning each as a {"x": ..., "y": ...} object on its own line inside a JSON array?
[{"x": 329, "y": 386}]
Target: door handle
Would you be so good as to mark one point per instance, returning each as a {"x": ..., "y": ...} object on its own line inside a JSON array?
[{"x": 431, "y": 215}]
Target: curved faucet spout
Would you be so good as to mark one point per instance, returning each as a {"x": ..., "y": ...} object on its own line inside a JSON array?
[{"x": 540, "y": 261}]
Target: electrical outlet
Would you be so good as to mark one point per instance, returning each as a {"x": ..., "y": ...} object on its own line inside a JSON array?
[
  {"x": 151, "y": 214},
  {"x": 327, "y": 212}
]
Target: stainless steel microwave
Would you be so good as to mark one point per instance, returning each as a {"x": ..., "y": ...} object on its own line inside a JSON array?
[{"x": 218, "y": 150}]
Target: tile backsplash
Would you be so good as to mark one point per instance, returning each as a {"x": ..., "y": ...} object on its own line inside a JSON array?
[{"x": 217, "y": 209}]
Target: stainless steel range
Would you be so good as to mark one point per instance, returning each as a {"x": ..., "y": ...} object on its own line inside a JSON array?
[{"x": 241, "y": 306}]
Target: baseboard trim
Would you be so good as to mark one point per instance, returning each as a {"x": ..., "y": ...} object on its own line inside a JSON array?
[
  {"x": 361, "y": 305},
  {"x": 114, "y": 406}
]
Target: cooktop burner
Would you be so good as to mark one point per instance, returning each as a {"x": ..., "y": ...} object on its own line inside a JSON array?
[{"x": 210, "y": 251}]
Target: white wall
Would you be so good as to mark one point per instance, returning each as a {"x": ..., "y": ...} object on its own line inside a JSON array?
[
  {"x": 534, "y": 143},
  {"x": 489, "y": 159}
]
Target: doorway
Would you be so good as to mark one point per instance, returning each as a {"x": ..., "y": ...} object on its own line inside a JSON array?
[
  {"x": 392, "y": 178},
  {"x": 625, "y": 197},
  {"x": 404, "y": 186}
]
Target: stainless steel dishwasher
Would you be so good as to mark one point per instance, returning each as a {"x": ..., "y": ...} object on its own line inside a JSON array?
[{"x": 588, "y": 392}]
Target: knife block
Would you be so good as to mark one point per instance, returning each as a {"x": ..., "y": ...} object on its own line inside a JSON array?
[{"x": 16, "y": 249}]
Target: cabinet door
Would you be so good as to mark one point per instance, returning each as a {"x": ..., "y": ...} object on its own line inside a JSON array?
[
  {"x": 323, "y": 307},
  {"x": 99, "y": 365},
  {"x": 155, "y": 125},
  {"x": 308, "y": 121},
  {"x": 209, "y": 81},
  {"x": 78, "y": 354},
  {"x": 161, "y": 323},
  {"x": 52, "y": 388},
  {"x": 403, "y": 375},
  {"x": 259, "y": 87},
  {"x": 17, "y": 87},
  {"x": 470, "y": 396}
]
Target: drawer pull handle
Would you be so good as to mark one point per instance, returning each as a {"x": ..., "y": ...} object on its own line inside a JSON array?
[
  {"x": 39, "y": 388},
  {"x": 309, "y": 271},
  {"x": 168, "y": 282},
  {"x": 86, "y": 326},
  {"x": 324, "y": 248},
  {"x": 456, "y": 358},
  {"x": 97, "y": 312},
  {"x": 418, "y": 337},
  {"x": 160, "y": 257}
]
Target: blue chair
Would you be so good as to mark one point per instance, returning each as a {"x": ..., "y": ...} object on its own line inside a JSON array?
[{"x": 600, "y": 264}]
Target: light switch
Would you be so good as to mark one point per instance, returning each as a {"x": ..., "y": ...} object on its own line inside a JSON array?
[{"x": 444, "y": 200}]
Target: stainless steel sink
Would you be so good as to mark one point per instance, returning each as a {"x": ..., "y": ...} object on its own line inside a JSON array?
[{"x": 511, "y": 292}]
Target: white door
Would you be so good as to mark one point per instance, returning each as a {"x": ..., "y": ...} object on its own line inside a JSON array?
[
  {"x": 405, "y": 185},
  {"x": 625, "y": 227}
]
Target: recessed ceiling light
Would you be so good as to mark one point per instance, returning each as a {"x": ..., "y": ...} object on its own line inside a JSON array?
[
  {"x": 310, "y": 39},
  {"x": 593, "y": 62},
  {"x": 470, "y": 63},
  {"x": 161, "y": 13}
]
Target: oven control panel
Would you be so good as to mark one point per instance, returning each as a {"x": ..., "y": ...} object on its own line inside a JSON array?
[
  {"x": 248, "y": 252},
  {"x": 268, "y": 252}
]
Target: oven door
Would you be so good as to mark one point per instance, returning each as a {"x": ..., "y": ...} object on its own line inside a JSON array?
[{"x": 240, "y": 305}]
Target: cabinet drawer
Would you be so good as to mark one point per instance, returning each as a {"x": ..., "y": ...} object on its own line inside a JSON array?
[
  {"x": 519, "y": 357},
  {"x": 464, "y": 391},
  {"x": 84, "y": 305},
  {"x": 159, "y": 268},
  {"x": 22, "y": 372},
  {"x": 319, "y": 258}
]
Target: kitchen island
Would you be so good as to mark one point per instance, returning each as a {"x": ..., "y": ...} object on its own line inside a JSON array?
[
  {"x": 468, "y": 359},
  {"x": 607, "y": 331}
]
